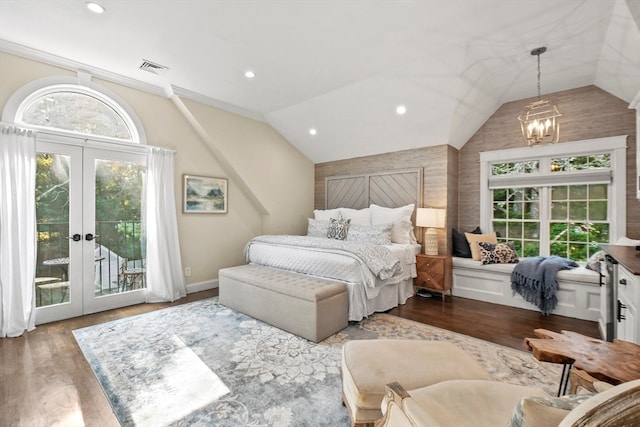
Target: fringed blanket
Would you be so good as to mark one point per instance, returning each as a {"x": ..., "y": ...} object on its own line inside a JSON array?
[{"x": 535, "y": 279}]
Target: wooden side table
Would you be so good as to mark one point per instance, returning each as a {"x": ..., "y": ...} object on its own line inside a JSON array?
[
  {"x": 612, "y": 362},
  {"x": 434, "y": 273}
]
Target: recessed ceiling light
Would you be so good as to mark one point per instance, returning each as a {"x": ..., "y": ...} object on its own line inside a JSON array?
[
  {"x": 313, "y": 131},
  {"x": 95, "y": 7},
  {"x": 401, "y": 109},
  {"x": 249, "y": 74}
]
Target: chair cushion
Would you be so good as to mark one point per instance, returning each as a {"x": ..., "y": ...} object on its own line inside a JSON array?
[
  {"x": 464, "y": 403},
  {"x": 368, "y": 365}
]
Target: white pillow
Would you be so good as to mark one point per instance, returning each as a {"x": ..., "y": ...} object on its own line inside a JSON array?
[
  {"x": 625, "y": 241},
  {"x": 326, "y": 214},
  {"x": 401, "y": 231},
  {"x": 357, "y": 216}
]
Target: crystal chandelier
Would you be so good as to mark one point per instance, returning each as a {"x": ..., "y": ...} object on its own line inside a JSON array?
[{"x": 539, "y": 120}]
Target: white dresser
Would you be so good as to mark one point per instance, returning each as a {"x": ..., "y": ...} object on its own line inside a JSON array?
[{"x": 623, "y": 309}]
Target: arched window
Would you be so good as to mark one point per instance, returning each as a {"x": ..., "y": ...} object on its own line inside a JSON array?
[{"x": 77, "y": 109}]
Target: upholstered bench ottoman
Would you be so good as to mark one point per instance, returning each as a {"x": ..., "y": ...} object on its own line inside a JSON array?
[
  {"x": 310, "y": 307},
  {"x": 368, "y": 365}
]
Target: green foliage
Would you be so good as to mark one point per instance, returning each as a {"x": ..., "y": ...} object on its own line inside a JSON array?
[{"x": 118, "y": 199}]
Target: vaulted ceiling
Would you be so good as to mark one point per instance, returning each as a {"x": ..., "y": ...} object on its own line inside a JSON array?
[{"x": 343, "y": 66}]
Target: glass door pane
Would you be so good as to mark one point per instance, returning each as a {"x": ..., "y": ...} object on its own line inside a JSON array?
[
  {"x": 58, "y": 218},
  {"x": 118, "y": 224},
  {"x": 113, "y": 210},
  {"x": 52, "y": 213}
]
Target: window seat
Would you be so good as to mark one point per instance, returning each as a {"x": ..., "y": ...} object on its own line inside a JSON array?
[{"x": 578, "y": 289}]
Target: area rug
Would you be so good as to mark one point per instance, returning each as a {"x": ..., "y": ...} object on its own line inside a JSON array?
[{"x": 202, "y": 364}]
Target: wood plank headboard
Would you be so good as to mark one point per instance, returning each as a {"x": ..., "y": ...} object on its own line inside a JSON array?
[{"x": 390, "y": 189}]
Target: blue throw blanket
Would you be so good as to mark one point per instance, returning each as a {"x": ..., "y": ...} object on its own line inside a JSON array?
[{"x": 535, "y": 279}]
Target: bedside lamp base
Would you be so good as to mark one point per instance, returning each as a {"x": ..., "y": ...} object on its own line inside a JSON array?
[{"x": 431, "y": 242}]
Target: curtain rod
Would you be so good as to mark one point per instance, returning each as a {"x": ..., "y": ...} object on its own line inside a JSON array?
[
  {"x": 84, "y": 138},
  {"x": 12, "y": 128}
]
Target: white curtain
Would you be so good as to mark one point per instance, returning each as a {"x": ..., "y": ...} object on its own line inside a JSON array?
[
  {"x": 165, "y": 281},
  {"x": 17, "y": 230}
]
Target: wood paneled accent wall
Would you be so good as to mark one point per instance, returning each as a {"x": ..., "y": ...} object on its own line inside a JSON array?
[
  {"x": 440, "y": 178},
  {"x": 451, "y": 177},
  {"x": 587, "y": 112}
]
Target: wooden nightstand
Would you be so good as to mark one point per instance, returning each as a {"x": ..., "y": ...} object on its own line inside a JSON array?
[{"x": 434, "y": 273}]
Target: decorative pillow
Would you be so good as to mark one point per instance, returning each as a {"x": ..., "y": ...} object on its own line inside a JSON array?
[
  {"x": 317, "y": 228},
  {"x": 595, "y": 262},
  {"x": 401, "y": 231},
  {"x": 376, "y": 234},
  {"x": 357, "y": 216},
  {"x": 338, "y": 228},
  {"x": 500, "y": 253},
  {"x": 473, "y": 240},
  {"x": 460, "y": 244},
  {"x": 544, "y": 411},
  {"x": 326, "y": 214}
]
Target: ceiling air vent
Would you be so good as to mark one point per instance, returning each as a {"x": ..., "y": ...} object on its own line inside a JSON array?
[{"x": 152, "y": 67}]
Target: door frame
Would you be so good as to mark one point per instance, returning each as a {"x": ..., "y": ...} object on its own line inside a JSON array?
[{"x": 81, "y": 276}]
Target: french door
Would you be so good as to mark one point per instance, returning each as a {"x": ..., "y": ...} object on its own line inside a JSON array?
[{"x": 90, "y": 255}]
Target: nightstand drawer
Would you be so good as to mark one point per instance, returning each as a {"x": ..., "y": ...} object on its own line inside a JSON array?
[{"x": 434, "y": 272}]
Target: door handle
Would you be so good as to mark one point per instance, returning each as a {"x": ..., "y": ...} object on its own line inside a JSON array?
[
  {"x": 76, "y": 237},
  {"x": 89, "y": 236},
  {"x": 621, "y": 307}
]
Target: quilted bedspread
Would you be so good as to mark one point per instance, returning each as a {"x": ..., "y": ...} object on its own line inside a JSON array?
[{"x": 378, "y": 260}]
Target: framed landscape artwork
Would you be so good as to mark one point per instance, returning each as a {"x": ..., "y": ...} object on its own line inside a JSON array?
[{"x": 203, "y": 194}]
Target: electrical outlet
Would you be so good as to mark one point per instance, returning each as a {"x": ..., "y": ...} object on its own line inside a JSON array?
[{"x": 187, "y": 271}]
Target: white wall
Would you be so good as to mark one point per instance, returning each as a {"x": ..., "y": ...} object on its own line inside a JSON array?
[{"x": 279, "y": 176}]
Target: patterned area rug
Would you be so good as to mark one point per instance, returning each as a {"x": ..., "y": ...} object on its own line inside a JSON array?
[{"x": 202, "y": 364}]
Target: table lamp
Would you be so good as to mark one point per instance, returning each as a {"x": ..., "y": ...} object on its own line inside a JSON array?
[{"x": 430, "y": 219}]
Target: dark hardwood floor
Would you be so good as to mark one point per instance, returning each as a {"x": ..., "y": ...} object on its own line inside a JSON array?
[
  {"x": 499, "y": 324},
  {"x": 46, "y": 381}
]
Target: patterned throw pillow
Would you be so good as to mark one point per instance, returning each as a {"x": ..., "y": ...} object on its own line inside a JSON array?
[
  {"x": 500, "y": 253},
  {"x": 595, "y": 262},
  {"x": 533, "y": 411},
  {"x": 338, "y": 228},
  {"x": 376, "y": 234},
  {"x": 317, "y": 228}
]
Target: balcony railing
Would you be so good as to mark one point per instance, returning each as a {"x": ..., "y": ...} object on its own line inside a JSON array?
[{"x": 118, "y": 246}]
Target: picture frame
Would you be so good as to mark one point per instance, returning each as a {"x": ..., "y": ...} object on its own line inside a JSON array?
[{"x": 203, "y": 194}]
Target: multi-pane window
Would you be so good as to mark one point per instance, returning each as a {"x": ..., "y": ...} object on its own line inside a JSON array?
[
  {"x": 579, "y": 220},
  {"x": 553, "y": 204},
  {"x": 516, "y": 218}
]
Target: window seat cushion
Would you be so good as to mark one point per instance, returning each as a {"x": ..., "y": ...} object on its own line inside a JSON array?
[{"x": 579, "y": 274}]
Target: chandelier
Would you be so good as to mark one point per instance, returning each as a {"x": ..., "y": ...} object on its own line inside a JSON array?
[{"x": 539, "y": 120}]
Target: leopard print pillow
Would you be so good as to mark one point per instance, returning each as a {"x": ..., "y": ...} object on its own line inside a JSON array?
[{"x": 501, "y": 253}]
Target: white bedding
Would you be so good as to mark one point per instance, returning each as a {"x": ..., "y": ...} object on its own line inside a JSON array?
[{"x": 380, "y": 295}]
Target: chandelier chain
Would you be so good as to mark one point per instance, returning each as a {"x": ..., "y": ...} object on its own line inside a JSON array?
[{"x": 538, "y": 77}]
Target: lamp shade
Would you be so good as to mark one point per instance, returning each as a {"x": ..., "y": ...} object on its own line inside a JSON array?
[{"x": 430, "y": 217}]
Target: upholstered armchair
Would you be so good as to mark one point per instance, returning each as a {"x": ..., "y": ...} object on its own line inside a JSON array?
[{"x": 490, "y": 403}]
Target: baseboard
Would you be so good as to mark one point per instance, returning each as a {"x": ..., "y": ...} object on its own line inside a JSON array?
[{"x": 202, "y": 286}]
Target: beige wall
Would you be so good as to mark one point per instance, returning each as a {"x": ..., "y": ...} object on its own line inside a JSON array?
[
  {"x": 279, "y": 176},
  {"x": 587, "y": 113}
]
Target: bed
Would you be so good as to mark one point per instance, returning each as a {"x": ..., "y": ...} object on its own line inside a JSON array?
[{"x": 372, "y": 248}]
